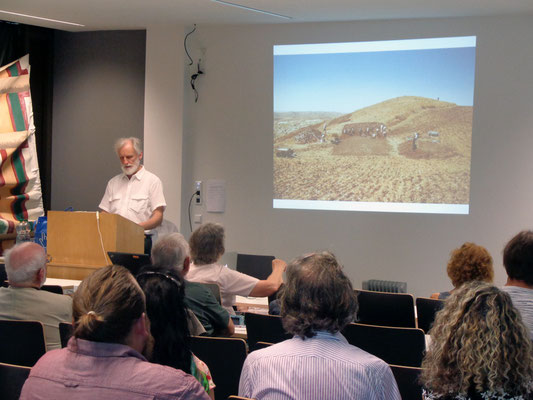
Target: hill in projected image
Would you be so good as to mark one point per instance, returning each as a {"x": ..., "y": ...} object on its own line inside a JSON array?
[{"x": 403, "y": 150}]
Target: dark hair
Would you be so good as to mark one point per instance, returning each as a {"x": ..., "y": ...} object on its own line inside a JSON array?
[
  {"x": 470, "y": 262},
  {"x": 317, "y": 296},
  {"x": 518, "y": 257},
  {"x": 106, "y": 304},
  {"x": 207, "y": 243},
  {"x": 165, "y": 294}
]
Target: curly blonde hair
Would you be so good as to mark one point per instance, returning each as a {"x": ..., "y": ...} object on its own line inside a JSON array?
[
  {"x": 470, "y": 262},
  {"x": 478, "y": 343}
]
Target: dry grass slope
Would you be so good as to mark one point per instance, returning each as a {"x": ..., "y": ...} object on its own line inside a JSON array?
[{"x": 383, "y": 169}]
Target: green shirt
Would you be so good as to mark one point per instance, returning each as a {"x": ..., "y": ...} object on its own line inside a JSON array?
[{"x": 203, "y": 304}]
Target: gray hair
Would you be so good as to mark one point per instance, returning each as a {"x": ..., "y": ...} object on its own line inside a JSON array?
[
  {"x": 170, "y": 251},
  {"x": 23, "y": 261},
  {"x": 136, "y": 142}
]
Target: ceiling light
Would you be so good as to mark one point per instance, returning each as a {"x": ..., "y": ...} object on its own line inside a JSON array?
[
  {"x": 226, "y": 3},
  {"x": 40, "y": 18}
]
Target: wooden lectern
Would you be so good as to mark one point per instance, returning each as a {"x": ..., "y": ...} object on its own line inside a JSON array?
[{"x": 78, "y": 242}]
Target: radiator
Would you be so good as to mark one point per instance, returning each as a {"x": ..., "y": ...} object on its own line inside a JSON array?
[{"x": 385, "y": 286}]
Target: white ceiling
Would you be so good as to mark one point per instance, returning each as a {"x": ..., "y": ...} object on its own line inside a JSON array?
[{"x": 140, "y": 14}]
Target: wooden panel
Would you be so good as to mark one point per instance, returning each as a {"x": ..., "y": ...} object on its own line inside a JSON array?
[
  {"x": 80, "y": 239},
  {"x": 129, "y": 236},
  {"x": 64, "y": 271}
]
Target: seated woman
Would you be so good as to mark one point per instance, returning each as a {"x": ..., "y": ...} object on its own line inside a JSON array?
[
  {"x": 480, "y": 349},
  {"x": 207, "y": 246},
  {"x": 169, "y": 324},
  {"x": 469, "y": 262}
]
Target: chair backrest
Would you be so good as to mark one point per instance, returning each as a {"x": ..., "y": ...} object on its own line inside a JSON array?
[
  {"x": 215, "y": 289},
  {"x": 239, "y": 398},
  {"x": 53, "y": 289},
  {"x": 386, "y": 309},
  {"x": 12, "y": 378},
  {"x": 399, "y": 346},
  {"x": 407, "y": 381},
  {"x": 3, "y": 276},
  {"x": 426, "y": 310},
  {"x": 225, "y": 358},
  {"x": 259, "y": 267},
  {"x": 262, "y": 345},
  {"x": 264, "y": 328},
  {"x": 22, "y": 342},
  {"x": 65, "y": 332}
]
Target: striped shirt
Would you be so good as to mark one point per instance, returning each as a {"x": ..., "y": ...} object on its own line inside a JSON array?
[
  {"x": 323, "y": 367},
  {"x": 523, "y": 301}
]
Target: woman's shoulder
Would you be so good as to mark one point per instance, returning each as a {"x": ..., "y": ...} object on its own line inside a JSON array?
[{"x": 428, "y": 395}]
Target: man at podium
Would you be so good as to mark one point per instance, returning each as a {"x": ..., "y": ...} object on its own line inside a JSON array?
[{"x": 135, "y": 194}]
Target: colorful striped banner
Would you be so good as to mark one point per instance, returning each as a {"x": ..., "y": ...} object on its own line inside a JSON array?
[{"x": 20, "y": 185}]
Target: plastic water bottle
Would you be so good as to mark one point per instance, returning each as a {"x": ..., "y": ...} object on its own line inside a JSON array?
[{"x": 23, "y": 232}]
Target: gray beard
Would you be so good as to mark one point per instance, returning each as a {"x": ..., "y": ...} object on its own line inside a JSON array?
[{"x": 131, "y": 169}]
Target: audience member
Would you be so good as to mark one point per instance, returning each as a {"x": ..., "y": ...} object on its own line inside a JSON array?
[
  {"x": 317, "y": 302},
  {"x": 165, "y": 306},
  {"x": 468, "y": 263},
  {"x": 207, "y": 246},
  {"x": 172, "y": 252},
  {"x": 518, "y": 262},
  {"x": 105, "y": 358},
  {"x": 22, "y": 300},
  {"x": 480, "y": 349}
]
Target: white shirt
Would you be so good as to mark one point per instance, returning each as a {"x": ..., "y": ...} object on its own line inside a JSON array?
[
  {"x": 135, "y": 198},
  {"x": 322, "y": 367},
  {"x": 231, "y": 282},
  {"x": 523, "y": 301}
]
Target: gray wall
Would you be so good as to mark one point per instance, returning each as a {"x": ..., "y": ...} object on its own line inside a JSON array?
[
  {"x": 228, "y": 135},
  {"x": 98, "y": 97}
]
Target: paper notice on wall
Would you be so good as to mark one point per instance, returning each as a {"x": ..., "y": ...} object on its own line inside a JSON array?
[{"x": 216, "y": 195}]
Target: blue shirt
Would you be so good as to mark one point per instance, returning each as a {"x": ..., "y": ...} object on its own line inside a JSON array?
[{"x": 323, "y": 367}]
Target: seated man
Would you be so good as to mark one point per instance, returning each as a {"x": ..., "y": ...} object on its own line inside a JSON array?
[
  {"x": 105, "y": 358},
  {"x": 317, "y": 363},
  {"x": 22, "y": 300},
  {"x": 207, "y": 246},
  {"x": 172, "y": 251},
  {"x": 518, "y": 262}
]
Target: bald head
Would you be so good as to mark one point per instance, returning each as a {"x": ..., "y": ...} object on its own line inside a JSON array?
[{"x": 26, "y": 265}]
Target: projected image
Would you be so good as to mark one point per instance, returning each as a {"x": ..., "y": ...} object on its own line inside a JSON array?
[{"x": 376, "y": 126}]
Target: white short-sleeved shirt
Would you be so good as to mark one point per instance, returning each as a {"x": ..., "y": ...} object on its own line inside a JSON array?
[
  {"x": 135, "y": 198},
  {"x": 231, "y": 282}
]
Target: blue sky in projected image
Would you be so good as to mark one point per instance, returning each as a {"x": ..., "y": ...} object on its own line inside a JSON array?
[{"x": 345, "y": 82}]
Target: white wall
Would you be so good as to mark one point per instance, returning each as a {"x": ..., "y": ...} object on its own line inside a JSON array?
[
  {"x": 163, "y": 112},
  {"x": 228, "y": 135}
]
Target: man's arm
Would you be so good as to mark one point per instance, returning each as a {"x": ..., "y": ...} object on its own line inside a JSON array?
[
  {"x": 230, "y": 329},
  {"x": 271, "y": 284},
  {"x": 155, "y": 220}
]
